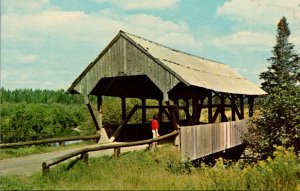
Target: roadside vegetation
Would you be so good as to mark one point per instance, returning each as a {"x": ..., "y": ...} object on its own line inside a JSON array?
[{"x": 161, "y": 169}]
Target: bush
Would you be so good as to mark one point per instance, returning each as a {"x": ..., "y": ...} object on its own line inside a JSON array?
[
  {"x": 27, "y": 122},
  {"x": 278, "y": 123}
]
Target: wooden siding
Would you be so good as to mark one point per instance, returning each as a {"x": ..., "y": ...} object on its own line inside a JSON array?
[
  {"x": 124, "y": 59},
  {"x": 201, "y": 140}
]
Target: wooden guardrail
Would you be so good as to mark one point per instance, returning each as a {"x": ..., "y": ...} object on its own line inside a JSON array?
[
  {"x": 53, "y": 140},
  {"x": 84, "y": 152}
]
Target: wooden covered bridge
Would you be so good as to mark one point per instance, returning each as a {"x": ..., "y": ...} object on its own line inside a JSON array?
[{"x": 204, "y": 98}]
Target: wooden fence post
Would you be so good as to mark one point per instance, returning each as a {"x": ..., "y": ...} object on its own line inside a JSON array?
[
  {"x": 84, "y": 157},
  {"x": 61, "y": 143},
  {"x": 45, "y": 168},
  {"x": 117, "y": 152}
]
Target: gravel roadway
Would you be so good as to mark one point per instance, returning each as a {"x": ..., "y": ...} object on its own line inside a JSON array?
[{"x": 33, "y": 163}]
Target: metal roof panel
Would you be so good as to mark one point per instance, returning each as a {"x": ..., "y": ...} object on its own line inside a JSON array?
[{"x": 198, "y": 71}]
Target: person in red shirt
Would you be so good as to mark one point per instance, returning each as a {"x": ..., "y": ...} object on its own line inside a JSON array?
[{"x": 155, "y": 127}]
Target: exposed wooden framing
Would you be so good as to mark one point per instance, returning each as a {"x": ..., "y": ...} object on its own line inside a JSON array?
[
  {"x": 172, "y": 110},
  {"x": 242, "y": 106},
  {"x": 209, "y": 104},
  {"x": 222, "y": 108},
  {"x": 195, "y": 121},
  {"x": 120, "y": 127},
  {"x": 215, "y": 116},
  {"x": 123, "y": 100},
  {"x": 177, "y": 113},
  {"x": 199, "y": 110},
  {"x": 216, "y": 105},
  {"x": 187, "y": 110},
  {"x": 233, "y": 107},
  {"x": 93, "y": 116},
  {"x": 251, "y": 104},
  {"x": 160, "y": 112},
  {"x": 143, "y": 111},
  {"x": 238, "y": 113},
  {"x": 99, "y": 109},
  {"x": 166, "y": 113}
]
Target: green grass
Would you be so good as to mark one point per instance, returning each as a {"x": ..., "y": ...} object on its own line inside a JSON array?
[
  {"x": 161, "y": 169},
  {"x": 36, "y": 149}
]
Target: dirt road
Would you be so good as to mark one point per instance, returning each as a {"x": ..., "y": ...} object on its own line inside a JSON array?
[{"x": 30, "y": 164}]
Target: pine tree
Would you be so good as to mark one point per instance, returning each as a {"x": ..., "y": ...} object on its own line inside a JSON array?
[
  {"x": 279, "y": 120},
  {"x": 285, "y": 63}
]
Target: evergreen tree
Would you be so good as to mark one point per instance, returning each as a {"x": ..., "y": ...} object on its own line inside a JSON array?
[
  {"x": 285, "y": 63},
  {"x": 279, "y": 120}
]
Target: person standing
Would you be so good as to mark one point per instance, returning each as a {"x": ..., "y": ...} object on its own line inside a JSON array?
[{"x": 155, "y": 127}]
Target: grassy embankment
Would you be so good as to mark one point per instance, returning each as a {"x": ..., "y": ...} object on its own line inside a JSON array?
[{"x": 162, "y": 170}]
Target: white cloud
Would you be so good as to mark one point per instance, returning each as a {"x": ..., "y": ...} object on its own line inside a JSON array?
[
  {"x": 144, "y": 4},
  {"x": 266, "y": 12},
  {"x": 23, "y": 6},
  {"x": 29, "y": 58},
  {"x": 69, "y": 40},
  {"x": 255, "y": 19},
  {"x": 246, "y": 39}
]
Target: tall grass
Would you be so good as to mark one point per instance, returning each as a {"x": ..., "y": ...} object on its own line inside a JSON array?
[{"x": 161, "y": 169}]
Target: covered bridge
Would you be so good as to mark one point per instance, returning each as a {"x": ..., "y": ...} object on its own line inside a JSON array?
[{"x": 134, "y": 67}]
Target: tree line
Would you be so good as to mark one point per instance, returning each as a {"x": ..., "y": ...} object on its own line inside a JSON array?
[{"x": 39, "y": 96}]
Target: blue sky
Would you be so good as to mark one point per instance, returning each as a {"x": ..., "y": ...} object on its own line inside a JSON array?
[{"x": 46, "y": 44}]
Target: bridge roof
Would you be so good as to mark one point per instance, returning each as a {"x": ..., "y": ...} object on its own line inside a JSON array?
[{"x": 186, "y": 68}]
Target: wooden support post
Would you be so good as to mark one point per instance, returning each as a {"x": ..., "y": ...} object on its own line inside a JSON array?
[
  {"x": 187, "y": 111},
  {"x": 117, "y": 152},
  {"x": 160, "y": 112},
  {"x": 99, "y": 108},
  {"x": 93, "y": 116},
  {"x": 195, "y": 121},
  {"x": 84, "y": 157},
  {"x": 61, "y": 143},
  {"x": 45, "y": 169},
  {"x": 166, "y": 113},
  {"x": 177, "y": 113},
  {"x": 251, "y": 105},
  {"x": 210, "y": 112},
  {"x": 120, "y": 127},
  {"x": 143, "y": 111},
  {"x": 123, "y": 100},
  {"x": 199, "y": 109},
  {"x": 242, "y": 106},
  {"x": 223, "y": 116},
  {"x": 215, "y": 116},
  {"x": 172, "y": 110},
  {"x": 104, "y": 137},
  {"x": 233, "y": 105}
]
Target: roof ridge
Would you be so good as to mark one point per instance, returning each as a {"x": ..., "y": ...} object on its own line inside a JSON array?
[{"x": 218, "y": 62}]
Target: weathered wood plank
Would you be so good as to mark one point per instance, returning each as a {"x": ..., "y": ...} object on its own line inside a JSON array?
[{"x": 202, "y": 140}]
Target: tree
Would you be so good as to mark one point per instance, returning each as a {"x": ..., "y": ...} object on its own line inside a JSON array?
[
  {"x": 285, "y": 63},
  {"x": 279, "y": 120}
]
